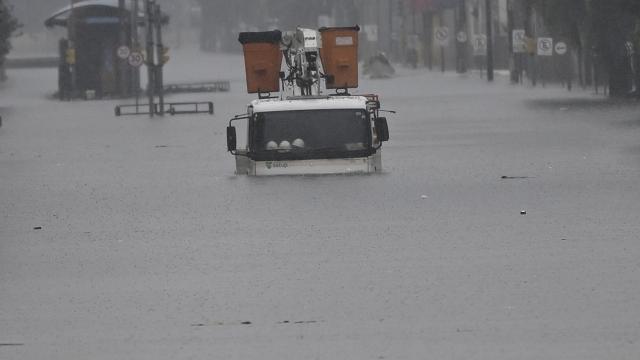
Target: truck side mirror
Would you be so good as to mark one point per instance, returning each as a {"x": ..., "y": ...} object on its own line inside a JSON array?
[
  {"x": 382, "y": 129},
  {"x": 231, "y": 139}
]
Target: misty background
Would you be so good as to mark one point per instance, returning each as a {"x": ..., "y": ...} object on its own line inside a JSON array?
[{"x": 602, "y": 36}]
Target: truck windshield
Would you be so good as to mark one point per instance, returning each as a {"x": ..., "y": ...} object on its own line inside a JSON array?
[{"x": 311, "y": 134}]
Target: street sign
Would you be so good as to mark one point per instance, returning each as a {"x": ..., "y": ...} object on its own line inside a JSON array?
[
  {"x": 561, "y": 48},
  {"x": 124, "y": 52},
  {"x": 545, "y": 46},
  {"x": 519, "y": 41},
  {"x": 480, "y": 45},
  {"x": 442, "y": 35},
  {"x": 462, "y": 37},
  {"x": 136, "y": 59}
]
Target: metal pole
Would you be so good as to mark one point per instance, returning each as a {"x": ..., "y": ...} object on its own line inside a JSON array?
[
  {"x": 532, "y": 71},
  {"x": 596, "y": 77},
  {"x": 157, "y": 18},
  {"x": 122, "y": 63},
  {"x": 443, "y": 64},
  {"x": 390, "y": 35},
  {"x": 71, "y": 28},
  {"x": 428, "y": 30},
  {"x": 569, "y": 64},
  {"x": 135, "y": 71},
  {"x": 461, "y": 27},
  {"x": 150, "y": 56},
  {"x": 511, "y": 26},
  {"x": 489, "y": 15}
]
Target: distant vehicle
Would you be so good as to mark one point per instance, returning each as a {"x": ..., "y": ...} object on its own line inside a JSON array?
[{"x": 307, "y": 132}]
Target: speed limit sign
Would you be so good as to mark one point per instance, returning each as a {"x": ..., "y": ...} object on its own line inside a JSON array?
[{"x": 136, "y": 59}]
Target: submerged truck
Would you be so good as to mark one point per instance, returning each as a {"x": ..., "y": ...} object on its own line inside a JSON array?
[{"x": 302, "y": 131}]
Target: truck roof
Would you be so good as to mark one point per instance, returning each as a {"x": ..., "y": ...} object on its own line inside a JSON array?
[{"x": 310, "y": 103}]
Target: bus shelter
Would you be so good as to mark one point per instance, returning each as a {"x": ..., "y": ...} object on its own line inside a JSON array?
[{"x": 96, "y": 30}]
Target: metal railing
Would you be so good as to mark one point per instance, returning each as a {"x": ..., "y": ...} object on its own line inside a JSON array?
[{"x": 171, "y": 108}]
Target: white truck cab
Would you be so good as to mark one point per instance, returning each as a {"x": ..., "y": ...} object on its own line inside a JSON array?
[{"x": 311, "y": 135}]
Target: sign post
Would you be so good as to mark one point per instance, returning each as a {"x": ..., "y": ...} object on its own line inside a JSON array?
[
  {"x": 134, "y": 22},
  {"x": 562, "y": 49},
  {"x": 489, "y": 18},
  {"x": 72, "y": 28},
  {"x": 136, "y": 59},
  {"x": 519, "y": 41},
  {"x": 157, "y": 17},
  {"x": 545, "y": 49},
  {"x": 442, "y": 38},
  {"x": 122, "y": 64},
  {"x": 545, "y": 46},
  {"x": 150, "y": 60},
  {"x": 461, "y": 45},
  {"x": 462, "y": 37},
  {"x": 480, "y": 51}
]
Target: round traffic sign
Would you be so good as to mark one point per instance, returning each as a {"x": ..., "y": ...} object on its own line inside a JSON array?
[
  {"x": 136, "y": 59},
  {"x": 124, "y": 52},
  {"x": 462, "y": 37},
  {"x": 561, "y": 48},
  {"x": 442, "y": 35}
]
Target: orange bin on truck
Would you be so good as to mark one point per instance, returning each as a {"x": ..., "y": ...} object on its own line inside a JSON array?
[
  {"x": 262, "y": 60},
  {"x": 339, "y": 55}
]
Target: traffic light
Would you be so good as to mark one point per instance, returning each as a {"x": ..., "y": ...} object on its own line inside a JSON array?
[
  {"x": 70, "y": 56},
  {"x": 164, "y": 57}
]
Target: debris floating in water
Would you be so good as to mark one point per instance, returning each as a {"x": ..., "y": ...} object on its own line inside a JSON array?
[{"x": 505, "y": 177}]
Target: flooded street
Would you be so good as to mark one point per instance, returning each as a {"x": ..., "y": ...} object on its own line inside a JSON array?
[{"x": 504, "y": 226}]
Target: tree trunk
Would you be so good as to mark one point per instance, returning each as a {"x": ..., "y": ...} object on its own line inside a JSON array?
[
  {"x": 613, "y": 27},
  {"x": 618, "y": 65}
]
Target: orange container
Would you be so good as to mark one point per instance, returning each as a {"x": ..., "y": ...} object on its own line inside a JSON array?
[
  {"x": 339, "y": 55},
  {"x": 262, "y": 60}
]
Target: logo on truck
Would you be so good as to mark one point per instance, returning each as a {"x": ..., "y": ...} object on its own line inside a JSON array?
[{"x": 277, "y": 164}]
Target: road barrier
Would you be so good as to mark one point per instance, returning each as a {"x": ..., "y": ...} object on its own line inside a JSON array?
[{"x": 174, "y": 108}]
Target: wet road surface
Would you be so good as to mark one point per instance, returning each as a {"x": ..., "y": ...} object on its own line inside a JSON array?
[{"x": 130, "y": 238}]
